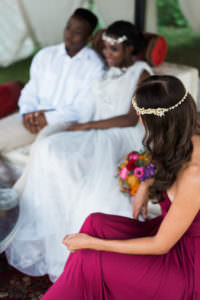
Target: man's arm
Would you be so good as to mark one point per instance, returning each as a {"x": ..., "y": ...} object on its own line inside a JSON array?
[{"x": 28, "y": 101}]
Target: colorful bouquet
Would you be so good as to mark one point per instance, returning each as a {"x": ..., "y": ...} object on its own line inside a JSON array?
[{"x": 136, "y": 168}]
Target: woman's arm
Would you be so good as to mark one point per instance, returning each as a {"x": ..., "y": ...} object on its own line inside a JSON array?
[
  {"x": 182, "y": 212},
  {"x": 126, "y": 120},
  {"x": 141, "y": 199}
]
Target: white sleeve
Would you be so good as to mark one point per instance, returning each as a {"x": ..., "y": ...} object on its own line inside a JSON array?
[
  {"x": 83, "y": 106},
  {"x": 85, "y": 102},
  {"x": 29, "y": 99},
  {"x": 64, "y": 114}
]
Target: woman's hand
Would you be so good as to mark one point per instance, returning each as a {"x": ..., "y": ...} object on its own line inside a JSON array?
[
  {"x": 140, "y": 201},
  {"x": 78, "y": 126},
  {"x": 77, "y": 241}
]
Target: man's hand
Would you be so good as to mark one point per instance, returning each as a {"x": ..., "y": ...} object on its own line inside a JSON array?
[
  {"x": 29, "y": 123},
  {"x": 40, "y": 119},
  {"x": 35, "y": 121}
]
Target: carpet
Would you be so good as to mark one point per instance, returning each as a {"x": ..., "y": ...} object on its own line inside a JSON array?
[{"x": 16, "y": 286}]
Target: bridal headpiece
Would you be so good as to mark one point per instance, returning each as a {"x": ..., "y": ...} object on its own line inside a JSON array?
[
  {"x": 160, "y": 111},
  {"x": 113, "y": 41}
]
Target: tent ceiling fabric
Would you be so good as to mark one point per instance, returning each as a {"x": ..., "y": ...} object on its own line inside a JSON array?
[
  {"x": 191, "y": 10},
  {"x": 15, "y": 42},
  {"x": 48, "y": 18},
  {"x": 115, "y": 10},
  {"x": 125, "y": 10}
]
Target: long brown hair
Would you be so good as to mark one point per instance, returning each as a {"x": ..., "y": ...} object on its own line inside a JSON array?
[{"x": 167, "y": 138}]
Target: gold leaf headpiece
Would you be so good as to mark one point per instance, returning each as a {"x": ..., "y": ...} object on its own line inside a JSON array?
[{"x": 160, "y": 111}]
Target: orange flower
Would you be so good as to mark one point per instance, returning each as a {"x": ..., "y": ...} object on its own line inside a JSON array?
[
  {"x": 141, "y": 157},
  {"x": 122, "y": 165},
  {"x": 134, "y": 188}
]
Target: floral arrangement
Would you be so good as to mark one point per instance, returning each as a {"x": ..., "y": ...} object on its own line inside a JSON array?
[{"x": 135, "y": 168}]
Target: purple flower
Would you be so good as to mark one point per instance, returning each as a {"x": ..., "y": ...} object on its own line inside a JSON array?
[{"x": 149, "y": 171}]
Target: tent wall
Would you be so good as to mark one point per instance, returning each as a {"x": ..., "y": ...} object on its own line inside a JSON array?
[{"x": 191, "y": 9}]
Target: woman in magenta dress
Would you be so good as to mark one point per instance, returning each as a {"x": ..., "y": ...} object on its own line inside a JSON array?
[{"x": 115, "y": 258}]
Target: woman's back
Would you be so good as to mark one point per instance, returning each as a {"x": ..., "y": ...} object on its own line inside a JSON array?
[{"x": 188, "y": 170}]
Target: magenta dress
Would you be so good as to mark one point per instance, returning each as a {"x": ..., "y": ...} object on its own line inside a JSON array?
[{"x": 98, "y": 275}]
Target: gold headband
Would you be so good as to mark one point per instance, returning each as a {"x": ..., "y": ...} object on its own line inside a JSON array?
[{"x": 160, "y": 111}]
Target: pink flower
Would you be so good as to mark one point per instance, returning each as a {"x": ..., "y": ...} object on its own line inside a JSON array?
[
  {"x": 123, "y": 173},
  {"x": 139, "y": 172},
  {"x": 133, "y": 156}
]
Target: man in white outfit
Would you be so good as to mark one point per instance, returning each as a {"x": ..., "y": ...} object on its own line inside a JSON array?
[{"x": 60, "y": 79}]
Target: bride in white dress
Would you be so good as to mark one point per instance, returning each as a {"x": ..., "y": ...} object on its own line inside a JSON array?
[{"x": 72, "y": 173}]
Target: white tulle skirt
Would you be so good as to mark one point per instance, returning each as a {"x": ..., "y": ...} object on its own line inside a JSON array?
[{"x": 71, "y": 174}]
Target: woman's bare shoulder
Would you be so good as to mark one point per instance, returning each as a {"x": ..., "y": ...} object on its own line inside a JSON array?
[
  {"x": 189, "y": 179},
  {"x": 191, "y": 170}
]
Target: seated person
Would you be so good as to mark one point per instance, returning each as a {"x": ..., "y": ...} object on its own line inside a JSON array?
[
  {"x": 121, "y": 258},
  {"x": 60, "y": 78},
  {"x": 72, "y": 173}
]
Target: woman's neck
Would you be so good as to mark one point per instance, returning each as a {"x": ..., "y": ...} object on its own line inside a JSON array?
[{"x": 128, "y": 63}]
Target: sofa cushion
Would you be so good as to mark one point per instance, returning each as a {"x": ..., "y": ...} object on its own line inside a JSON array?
[{"x": 9, "y": 95}]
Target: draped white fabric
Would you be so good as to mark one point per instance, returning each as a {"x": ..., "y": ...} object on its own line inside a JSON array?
[
  {"x": 191, "y": 10},
  {"x": 48, "y": 18},
  {"x": 15, "y": 41}
]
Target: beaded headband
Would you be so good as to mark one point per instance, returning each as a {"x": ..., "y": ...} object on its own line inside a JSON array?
[
  {"x": 160, "y": 111},
  {"x": 113, "y": 41}
]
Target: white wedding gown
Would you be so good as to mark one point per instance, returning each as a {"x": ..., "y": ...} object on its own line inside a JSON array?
[{"x": 73, "y": 174}]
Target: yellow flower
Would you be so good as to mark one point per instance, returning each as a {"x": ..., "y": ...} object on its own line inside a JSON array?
[
  {"x": 132, "y": 180},
  {"x": 146, "y": 159}
]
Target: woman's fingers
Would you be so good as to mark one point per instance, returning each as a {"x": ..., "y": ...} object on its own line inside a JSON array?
[
  {"x": 136, "y": 211},
  {"x": 144, "y": 211}
]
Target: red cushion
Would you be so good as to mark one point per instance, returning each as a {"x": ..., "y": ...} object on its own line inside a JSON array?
[
  {"x": 9, "y": 95},
  {"x": 156, "y": 51}
]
